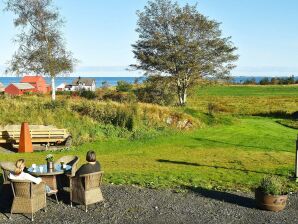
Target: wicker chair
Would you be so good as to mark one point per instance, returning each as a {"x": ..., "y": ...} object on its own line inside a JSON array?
[
  {"x": 71, "y": 161},
  {"x": 64, "y": 181},
  {"x": 85, "y": 189},
  {"x": 7, "y": 167},
  {"x": 28, "y": 197}
]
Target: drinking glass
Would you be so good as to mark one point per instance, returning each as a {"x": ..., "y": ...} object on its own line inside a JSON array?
[{"x": 41, "y": 169}]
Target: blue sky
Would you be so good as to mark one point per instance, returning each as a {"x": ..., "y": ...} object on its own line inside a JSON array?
[{"x": 100, "y": 34}]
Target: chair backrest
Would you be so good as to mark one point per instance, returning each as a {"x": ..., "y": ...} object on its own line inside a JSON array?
[
  {"x": 71, "y": 161},
  {"x": 91, "y": 180},
  {"x": 7, "y": 167},
  {"x": 21, "y": 188}
]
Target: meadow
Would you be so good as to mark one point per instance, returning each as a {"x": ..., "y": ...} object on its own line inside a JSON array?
[{"x": 239, "y": 136}]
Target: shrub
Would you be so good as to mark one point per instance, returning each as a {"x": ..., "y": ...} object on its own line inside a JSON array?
[
  {"x": 123, "y": 86},
  {"x": 264, "y": 81},
  {"x": 64, "y": 93},
  {"x": 52, "y": 105},
  {"x": 272, "y": 185},
  {"x": 157, "y": 90},
  {"x": 120, "y": 97},
  {"x": 87, "y": 94},
  {"x": 250, "y": 82},
  {"x": 215, "y": 108}
]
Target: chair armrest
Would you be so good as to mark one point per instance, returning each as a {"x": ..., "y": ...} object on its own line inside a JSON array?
[
  {"x": 38, "y": 189},
  {"x": 76, "y": 183}
]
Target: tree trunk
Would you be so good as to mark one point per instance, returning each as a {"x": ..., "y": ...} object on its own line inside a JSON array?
[
  {"x": 182, "y": 97},
  {"x": 53, "y": 88},
  {"x": 182, "y": 93}
]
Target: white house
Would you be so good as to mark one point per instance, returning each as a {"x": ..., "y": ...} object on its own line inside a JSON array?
[
  {"x": 82, "y": 84},
  {"x": 61, "y": 87}
]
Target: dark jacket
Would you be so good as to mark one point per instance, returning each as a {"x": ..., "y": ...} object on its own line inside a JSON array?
[{"x": 88, "y": 168}]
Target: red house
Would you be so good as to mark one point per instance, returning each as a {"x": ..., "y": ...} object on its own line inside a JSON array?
[
  {"x": 16, "y": 89},
  {"x": 39, "y": 83}
]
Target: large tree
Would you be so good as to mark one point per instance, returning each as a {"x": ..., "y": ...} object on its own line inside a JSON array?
[
  {"x": 181, "y": 43},
  {"x": 41, "y": 45}
]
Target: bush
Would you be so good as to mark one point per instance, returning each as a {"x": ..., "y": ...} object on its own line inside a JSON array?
[
  {"x": 123, "y": 86},
  {"x": 87, "y": 94},
  {"x": 120, "y": 97},
  {"x": 215, "y": 108},
  {"x": 264, "y": 81},
  {"x": 123, "y": 116},
  {"x": 157, "y": 90},
  {"x": 272, "y": 185}
]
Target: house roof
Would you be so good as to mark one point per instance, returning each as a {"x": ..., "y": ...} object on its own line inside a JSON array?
[
  {"x": 31, "y": 78},
  {"x": 23, "y": 86},
  {"x": 62, "y": 85},
  {"x": 86, "y": 81}
]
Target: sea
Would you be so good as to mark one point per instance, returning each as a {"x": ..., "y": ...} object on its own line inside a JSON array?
[{"x": 112, "y": 81}]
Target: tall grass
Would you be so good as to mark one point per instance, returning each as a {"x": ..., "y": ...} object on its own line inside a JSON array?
[{"x": 87, "y": 120}]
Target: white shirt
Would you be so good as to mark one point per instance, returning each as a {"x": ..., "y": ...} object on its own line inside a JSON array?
[{"x": 25, "y": 176}]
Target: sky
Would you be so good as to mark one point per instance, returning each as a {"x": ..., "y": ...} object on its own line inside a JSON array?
[{"x": 100, "y": 34}]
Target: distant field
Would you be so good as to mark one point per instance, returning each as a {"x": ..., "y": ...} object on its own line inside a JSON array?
[
  {"x": 254, "y": 90},
  {"x": 231, "y": 151},
  {"x": 246, "y": 100}
]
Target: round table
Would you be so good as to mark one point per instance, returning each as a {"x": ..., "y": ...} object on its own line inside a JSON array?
[{"x": 49, "y": 176}]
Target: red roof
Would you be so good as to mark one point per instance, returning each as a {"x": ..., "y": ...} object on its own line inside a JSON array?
[{"x": 31, "y": 78}]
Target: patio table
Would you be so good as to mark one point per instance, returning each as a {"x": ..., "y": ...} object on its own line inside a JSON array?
[{"x": 49, "y": 176}]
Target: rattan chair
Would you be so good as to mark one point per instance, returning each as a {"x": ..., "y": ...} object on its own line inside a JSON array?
[
  {"x": 7, "y": 167},
  {"x": 85, "y": 189},
  {"x": 28, "y": 197},
  {"x": 63, "y": 180},
  {"x": 71, "y": 161}
]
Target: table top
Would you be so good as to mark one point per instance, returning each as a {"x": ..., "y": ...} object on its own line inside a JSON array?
[{"x": 42, "y": 170}]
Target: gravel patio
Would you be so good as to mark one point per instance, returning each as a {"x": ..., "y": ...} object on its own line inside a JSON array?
[{"x": 128, "y": 204}]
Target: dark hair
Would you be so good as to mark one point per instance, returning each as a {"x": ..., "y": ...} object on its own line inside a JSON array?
[{"x": 91, "y": 157}]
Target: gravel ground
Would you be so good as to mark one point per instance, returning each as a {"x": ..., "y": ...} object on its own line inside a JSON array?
[{"x": 128, "y": 204}]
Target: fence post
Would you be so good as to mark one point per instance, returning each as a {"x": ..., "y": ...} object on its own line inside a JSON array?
[{"x": 296, "y": 162}]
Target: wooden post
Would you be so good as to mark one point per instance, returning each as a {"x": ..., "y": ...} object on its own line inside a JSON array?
[
  {"x": 25, "y": 144},
  {"x": 296, "y": 162}
]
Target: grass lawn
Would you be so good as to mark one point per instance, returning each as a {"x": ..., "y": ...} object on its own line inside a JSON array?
[
  {"x": 231, "y": 155},
  {"x": 253, "y": 90}
]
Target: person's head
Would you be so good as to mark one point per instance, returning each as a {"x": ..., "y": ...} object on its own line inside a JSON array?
[
  {"x": 90, "y": 156},
  {"x": 20, "y": 165}
]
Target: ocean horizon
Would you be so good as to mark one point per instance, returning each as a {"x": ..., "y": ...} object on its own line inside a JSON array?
[{"x": 112, "y": 81}]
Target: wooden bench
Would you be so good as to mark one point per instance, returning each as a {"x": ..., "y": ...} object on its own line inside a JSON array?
[{"x": 46, "y": 136}]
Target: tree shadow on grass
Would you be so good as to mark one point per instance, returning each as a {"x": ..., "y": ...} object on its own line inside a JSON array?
[
  {"x": 216, "y": 167},
  {"x": 277, "y": 114},
  {"x": 232, "y": 144},
  {"x": 224, "y": 197}
]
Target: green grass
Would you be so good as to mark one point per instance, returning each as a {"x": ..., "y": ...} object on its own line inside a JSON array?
[
  {"x": 231, "y": 151},
  {"x": 246, "y": 100},
  {"x": 254, "y": 90},
  {"x": 233, "y": 157}
]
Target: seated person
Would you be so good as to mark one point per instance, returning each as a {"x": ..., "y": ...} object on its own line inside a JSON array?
[
  {"x": 19, "y": 174},
  {"x": 91, "y": 167}
]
